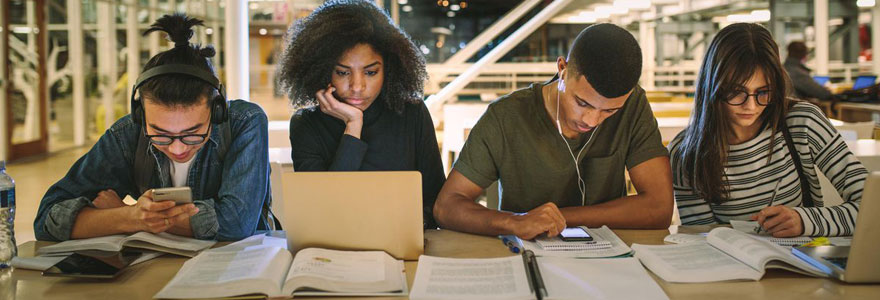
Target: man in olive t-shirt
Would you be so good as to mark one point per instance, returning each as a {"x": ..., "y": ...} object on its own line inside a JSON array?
[{"x": 594, "y": 113}]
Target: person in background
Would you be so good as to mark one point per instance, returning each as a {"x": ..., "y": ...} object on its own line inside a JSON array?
[
  {"x": 751, "y": 153},
  {"x": 804, "y": 85},
  {"x": 358, "y": 80}
]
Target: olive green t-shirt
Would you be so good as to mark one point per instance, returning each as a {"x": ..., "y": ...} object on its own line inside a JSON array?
[{"x": 517, "y": 143}]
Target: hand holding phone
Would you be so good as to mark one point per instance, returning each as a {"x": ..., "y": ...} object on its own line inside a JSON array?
[
  {"x": 180, "y": 195},
  {"x": 575, "y": 234}
]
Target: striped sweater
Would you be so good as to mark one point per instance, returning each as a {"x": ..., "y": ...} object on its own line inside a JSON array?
[{"x": 752, "y": 179}]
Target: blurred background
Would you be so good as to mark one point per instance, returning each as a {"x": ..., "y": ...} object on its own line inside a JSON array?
[{"x": 67, "y": 65}]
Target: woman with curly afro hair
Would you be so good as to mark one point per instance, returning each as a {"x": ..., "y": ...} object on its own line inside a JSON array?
[{"x": 357, "y": 80}]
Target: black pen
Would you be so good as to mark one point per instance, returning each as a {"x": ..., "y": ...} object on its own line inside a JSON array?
[
  {"x": 532, "y": 263},
  {"x": 772, "y": 197}
]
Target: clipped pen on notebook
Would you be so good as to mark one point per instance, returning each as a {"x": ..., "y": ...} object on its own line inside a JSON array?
[
  {"x": 772, "y": 197},
  {"x": 511, "y": 242}
]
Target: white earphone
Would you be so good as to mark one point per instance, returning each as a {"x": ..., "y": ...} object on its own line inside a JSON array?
[{"x": 582, "y": 186}]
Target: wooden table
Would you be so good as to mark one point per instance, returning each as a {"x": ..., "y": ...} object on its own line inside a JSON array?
[
  {"x": 857, "y": 112},
  {"x": 145, "y": 280}
]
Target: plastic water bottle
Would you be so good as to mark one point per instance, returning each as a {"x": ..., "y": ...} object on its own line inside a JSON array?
[{"x": 8, "y": 250}]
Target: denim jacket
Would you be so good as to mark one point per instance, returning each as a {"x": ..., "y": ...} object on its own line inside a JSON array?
[{"x": 228, "y": 193}]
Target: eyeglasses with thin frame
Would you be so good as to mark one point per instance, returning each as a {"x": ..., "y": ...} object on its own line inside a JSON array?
[{"x": 762, "y": 97}]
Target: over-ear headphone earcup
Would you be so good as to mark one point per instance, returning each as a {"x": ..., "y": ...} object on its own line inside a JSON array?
[
  {"x": 219, "y": 110},
  {"x": 137, "y": 110}
]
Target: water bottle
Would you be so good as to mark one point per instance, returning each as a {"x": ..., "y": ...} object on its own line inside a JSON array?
[{"x": 8, "y": 250}]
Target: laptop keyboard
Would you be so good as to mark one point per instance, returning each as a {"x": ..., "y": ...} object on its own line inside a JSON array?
[{"x": 837, "y": 261}]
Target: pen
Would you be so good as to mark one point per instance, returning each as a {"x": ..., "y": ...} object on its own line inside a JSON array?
[
  {"x": 510, "y": 242},
  {"x": 772, "y": 197},
  {"x": 540, "y": 289}
]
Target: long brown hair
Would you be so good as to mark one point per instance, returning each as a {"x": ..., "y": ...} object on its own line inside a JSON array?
[{"x": 734, "y": 55}]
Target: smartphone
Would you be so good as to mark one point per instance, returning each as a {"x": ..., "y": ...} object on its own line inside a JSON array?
[
  {"x": 180, "y": 195},
  {"x": 575, "y": 234},
  {"x": 93, "y": 264}
]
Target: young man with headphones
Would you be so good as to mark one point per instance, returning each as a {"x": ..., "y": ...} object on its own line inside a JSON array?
[
  {"x": 559, "y": 150},
  {"x": 182, "y": 132}
]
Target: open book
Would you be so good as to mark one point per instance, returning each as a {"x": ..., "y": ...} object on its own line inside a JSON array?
[
  {"x": 514, "y": 277},
  {"x": 161, "y": 242},
  {"x": 727, "y": 254},
  {"x": 273, "y": 272}
]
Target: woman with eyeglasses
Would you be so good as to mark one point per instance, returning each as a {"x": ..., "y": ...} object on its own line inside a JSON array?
[{"x": 752, "y": 153}]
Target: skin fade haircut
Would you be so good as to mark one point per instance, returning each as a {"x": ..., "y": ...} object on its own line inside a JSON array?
[{"x": 609, "y": 57}]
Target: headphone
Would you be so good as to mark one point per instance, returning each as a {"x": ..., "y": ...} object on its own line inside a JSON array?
[
  {"x": 582, "y": 186},
  {"x": 219, "y": 107}
]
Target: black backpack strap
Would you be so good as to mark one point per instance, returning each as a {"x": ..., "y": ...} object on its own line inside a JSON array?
[
  {"x": 143, "y": 165},
  {"x": 806, "y": 194}
]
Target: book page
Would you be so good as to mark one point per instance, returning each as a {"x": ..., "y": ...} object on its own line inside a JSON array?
[
  {"x": 228, "y": 273},
  {"x": 105, "y": 243},
  {"x": 353, "y": 272},
  {"x": 172, "y": 241},
  {"x": 347, "y": 266},
  {"x": 456, "y": 278},
  {"x": 755, "y": 252},
  {"x": 601, "y": 278},
  {"x": 693, "y": 262}
]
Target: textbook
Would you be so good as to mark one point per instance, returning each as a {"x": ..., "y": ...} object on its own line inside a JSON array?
[
  {"x": 727, "y": 254},
  {"x": 529, "y": 277},
  {"x": 267, "y": 271},
  {"x": 161, "y": 242}
]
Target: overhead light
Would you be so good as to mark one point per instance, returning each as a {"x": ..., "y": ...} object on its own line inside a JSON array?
[
  {"x": 254, "y": 6},
  {"x": 402, "y": 2},
  {"x": 582, "y": 19},
  {"x": 761, "y": 15},
  {"x": 209, "y": 31},
  {"x": 407, "y": 8},
  {"x": 425, "y": 50},
  {"x": 445, "y": 3},
  {"x": 454, "y": 7},
  {"x": 21, "y": 29},
  {"x": 633, "y": 4},
  {"x": 835, "y": 22},
  {"x": 866, "y": 3},
  {"x": 450, "y": 14},
  {"x": 263, "y": 31},
  {"x": 463, "y": 4}
]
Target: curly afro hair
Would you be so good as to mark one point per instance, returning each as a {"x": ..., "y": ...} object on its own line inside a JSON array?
[{"x": 315, "y": 43}]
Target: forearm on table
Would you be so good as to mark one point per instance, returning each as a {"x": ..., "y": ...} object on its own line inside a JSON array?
[
  {"x": 461, "y": 214},
  {"x": 93, "y": 222},
  {"x": 637, "y": 212}
]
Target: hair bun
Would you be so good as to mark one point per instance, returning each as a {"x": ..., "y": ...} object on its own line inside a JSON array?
[
  {"x": 207, "y": 51},
  {"x": 178, "y": 26}
]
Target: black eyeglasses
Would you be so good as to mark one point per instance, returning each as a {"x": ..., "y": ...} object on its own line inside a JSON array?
[
  {"x": 738, "y": 98},
  {"x": 189, "y": 139}
]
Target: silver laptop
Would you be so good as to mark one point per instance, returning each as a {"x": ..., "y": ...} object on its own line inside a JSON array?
[
  {"x": 859, "y": 262},
  {"x": 354, "y": 211}
]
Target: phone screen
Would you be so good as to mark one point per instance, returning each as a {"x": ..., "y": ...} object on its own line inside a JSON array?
[{"x": 575, "y": 234}]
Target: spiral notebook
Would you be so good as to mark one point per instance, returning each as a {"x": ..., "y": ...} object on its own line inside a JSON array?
[{"x": 557, "y": 244}]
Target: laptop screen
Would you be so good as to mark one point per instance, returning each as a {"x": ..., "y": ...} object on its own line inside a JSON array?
[
  {"x": 863, "y": 82},
  {"x": 821, "y": 80}
]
